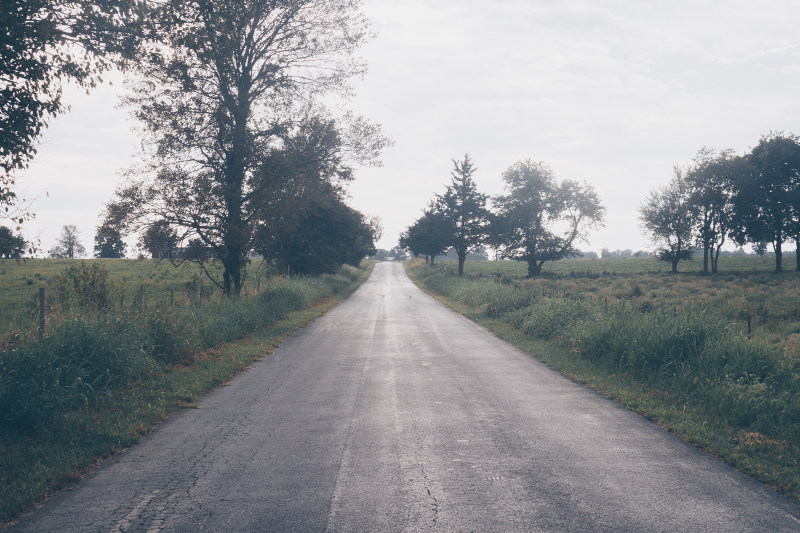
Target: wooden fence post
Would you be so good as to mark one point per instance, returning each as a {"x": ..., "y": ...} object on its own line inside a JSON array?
[{"x": 42, "y": 311}]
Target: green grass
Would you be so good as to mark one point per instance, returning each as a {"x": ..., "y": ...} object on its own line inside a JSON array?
[
  {"x": 745, "y": 287},
  {"x": 162, "y": 282},
  {"x": 689, "y": 367},
  {"x": 56, "y": 429}
]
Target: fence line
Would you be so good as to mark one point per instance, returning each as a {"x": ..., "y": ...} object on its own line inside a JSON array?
[{"x": 34, "y": 314}]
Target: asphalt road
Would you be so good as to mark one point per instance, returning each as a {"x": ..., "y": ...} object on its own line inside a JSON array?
[{"x": 391, "y": 413}]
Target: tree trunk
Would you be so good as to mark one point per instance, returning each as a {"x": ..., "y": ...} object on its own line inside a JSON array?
[
  {"x": 797, "y": 252},
  {"x": 675, "y": 265},
  {"x": 534, "y": 268},
  {"x": 462, "y": 257},
  {"x": 778, "y": 256},
  {"x": 706, "y": 247}
]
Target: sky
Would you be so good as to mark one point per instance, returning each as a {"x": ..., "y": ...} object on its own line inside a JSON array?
[{"x": 610, "y": 92}]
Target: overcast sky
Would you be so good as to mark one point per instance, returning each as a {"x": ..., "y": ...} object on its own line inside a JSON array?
[{"x": 611, "y": 92}]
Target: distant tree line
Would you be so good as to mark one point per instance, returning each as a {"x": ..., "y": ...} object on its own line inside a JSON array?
[
  {"x": 752, "y": 198},
  {"x": 538, "y": 219}
]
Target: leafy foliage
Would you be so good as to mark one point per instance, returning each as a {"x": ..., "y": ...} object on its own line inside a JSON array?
[
  {"x": 226, "y": 100},
  {"x": 44, "y": 44},
  {"x": 463, "y": 210},
  {"x": 428, "y": 236},
  {"x": 11, "y": 246},
  {"x": 767, "y": 196},
  {"x": 108, "y": 243},
  {"x": 68, "y": 245},
  {"x": 539, "y": 220},
  {"x": 327, "y": 235},
  {"x": 667, "y": 216}
]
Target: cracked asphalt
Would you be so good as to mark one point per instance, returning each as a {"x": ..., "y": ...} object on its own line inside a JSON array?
[{"x": 391, "y": 413}]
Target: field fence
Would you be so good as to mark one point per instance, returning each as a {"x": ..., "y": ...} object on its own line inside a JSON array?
[{"x": 25, "y": 315}]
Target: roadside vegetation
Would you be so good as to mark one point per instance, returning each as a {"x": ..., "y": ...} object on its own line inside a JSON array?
[
  {"x": 158, "y": 281},
  {"x": 675, "y": 348},
  {"x": 98, "y": 380}
]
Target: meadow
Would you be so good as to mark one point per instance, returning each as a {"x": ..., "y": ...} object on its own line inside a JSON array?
[{"x": 674, "y": 347}]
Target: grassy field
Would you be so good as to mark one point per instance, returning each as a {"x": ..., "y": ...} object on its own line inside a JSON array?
[
  {"x": 674, "y": 347},
  {"x": 161, "y": 281},
  {"x": 744, "y": 287},
  {"x": 94, "y": 384}
]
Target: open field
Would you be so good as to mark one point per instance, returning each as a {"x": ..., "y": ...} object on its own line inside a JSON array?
[
  {"x": 159, "y": 279},
  {"x": 744, "y": 287},
  {"x": 672, "y": 347}
]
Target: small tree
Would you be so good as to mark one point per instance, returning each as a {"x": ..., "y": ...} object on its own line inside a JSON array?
[
  {"x": 160, "y": 240},
  {"x": 464, "y": 211},
  {"x": 428, "y": 236},
  {"x": 108, "y": 243},
  {"x": 539, "y": 219},
  {"x": 68, "y": 246},
  {"x": 11, "y": 246},
  {"x": 666, "y": 215}
]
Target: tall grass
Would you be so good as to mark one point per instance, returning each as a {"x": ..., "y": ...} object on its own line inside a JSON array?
[{"x": 86, "y": 357}]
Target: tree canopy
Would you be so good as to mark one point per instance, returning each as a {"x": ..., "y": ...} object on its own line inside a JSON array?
[
  {"x": 12, "y": 246},
  {"x": 463, "y": 211},
  {"x": 767, "y": 195},
  {"x": 43, "y": 45},
  {"x": 667, "y": 216},
  {"x": 68, "y": 245},
  {"x": 429, "y": 235},
  {"x": 108, "y": 243},
  {"x": 326, "y": 235},
  {"x": 228, "y": 104},
  {"x": 539, "y": 219}
]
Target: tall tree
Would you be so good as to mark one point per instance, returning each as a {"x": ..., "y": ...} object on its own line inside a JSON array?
[
  {"x": 68, "y": 245},
  {"x": 766, "y": 198},
  {"x": 711, "y": 186},
  {"x": 539, "y": 219},
  {"x": 464, "y": 211},
  {"x": 231, "y": 83},
  {"x": 43, "y": 45},
  {"x": 108, "y": 243},
  {"x": 11, "y": 246},
  {"x": 667, "y": 216}
]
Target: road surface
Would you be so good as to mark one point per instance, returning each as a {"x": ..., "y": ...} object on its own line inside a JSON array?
[{"x": 391, "y": 413}]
